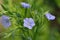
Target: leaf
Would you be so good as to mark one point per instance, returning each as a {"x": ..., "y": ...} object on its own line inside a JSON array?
[
  {"x": 8, "y": 35},
  {"x": 4, "y": 7}
]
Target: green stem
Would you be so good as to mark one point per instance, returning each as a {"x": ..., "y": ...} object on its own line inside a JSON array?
[{"x": 25, "y": 12}]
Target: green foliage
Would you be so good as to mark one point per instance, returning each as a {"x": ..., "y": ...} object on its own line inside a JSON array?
[
  {"x": 41, "y": 31},
  {"x": 58, "y": 3}
]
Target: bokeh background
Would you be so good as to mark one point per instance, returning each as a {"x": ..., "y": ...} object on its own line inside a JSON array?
[{"x": 44, "y": 29}]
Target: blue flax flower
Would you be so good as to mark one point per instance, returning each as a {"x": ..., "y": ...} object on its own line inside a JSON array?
[
  {"x": 50, "y": 16},
  {"x": 25, "y": 5},
  {"x": 29, "y": 23},
  {"x": 5, "y": 21}
]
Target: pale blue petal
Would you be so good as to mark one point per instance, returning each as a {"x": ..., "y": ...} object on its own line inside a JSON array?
[
  {"x": 5, "y": 21},
  {"x": 29, "y": 23},
  {"x": 28, "y": 26},
  {"x": 26, "y": 20},
  {"x": 50, "y": 16},
  {"x": 25, "y": 5}
]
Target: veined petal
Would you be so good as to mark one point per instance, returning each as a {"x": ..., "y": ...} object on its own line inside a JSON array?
[{"x": 29, "y": 23}]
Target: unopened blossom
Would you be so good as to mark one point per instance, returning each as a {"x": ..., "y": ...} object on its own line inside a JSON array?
[
  {"x": 50, "y": 16},
  {"x": 25, "y": 5},
  {"x": 5, "y": 21},
  {"x": 29, "y": 23}
]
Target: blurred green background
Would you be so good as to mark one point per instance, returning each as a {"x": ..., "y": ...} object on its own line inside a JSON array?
[{"x": 43, "y": 30}]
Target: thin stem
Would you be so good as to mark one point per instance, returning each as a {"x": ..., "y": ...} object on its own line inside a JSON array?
[
  {"x": 13, "y": 36},
  {"x": 25, "y": 12}
]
